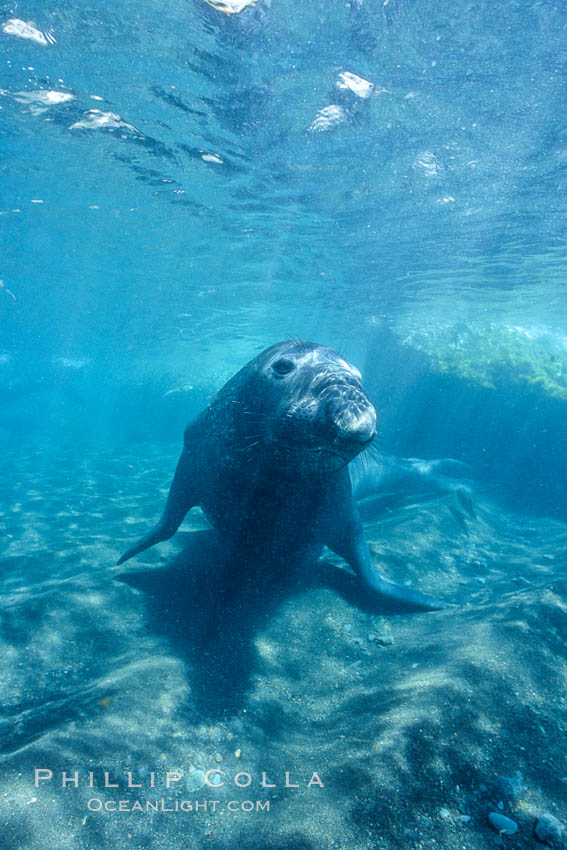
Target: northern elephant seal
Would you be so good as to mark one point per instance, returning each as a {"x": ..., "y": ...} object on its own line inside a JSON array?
[
  {"x": 267, "y": 461},
  {"x": 412, "y": 477}
]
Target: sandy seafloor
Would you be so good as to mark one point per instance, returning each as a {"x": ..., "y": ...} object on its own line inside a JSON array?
[{"x": 152, "y": 667}]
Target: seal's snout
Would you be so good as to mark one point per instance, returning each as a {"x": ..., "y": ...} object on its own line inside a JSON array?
[{"x": 356, "y": 426}]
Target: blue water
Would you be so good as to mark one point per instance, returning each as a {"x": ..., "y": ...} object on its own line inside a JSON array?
[
  {"x": 442, "y": 193},
  {"x": 216, "y": 211},
  {"x": 180, "y": 188}
]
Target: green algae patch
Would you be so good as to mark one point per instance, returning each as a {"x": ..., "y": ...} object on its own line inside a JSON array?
[{"x": 493, "y": 355}]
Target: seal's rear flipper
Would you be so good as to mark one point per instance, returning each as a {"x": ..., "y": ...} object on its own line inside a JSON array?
[{"x": 180, "y": 499}]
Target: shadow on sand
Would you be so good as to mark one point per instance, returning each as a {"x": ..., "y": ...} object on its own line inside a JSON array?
[{"x": 210, "y": 609}]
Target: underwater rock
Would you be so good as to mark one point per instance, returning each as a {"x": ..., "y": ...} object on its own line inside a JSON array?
[
  {"x": 502, "y": 824},
  {"x": 382, "y": 633},
  {"x": 550, "y": 830},
  {"x": 494, "y": 354},
  {"x": 511, "y": 786},
  {"x": 195, "y": 778}
]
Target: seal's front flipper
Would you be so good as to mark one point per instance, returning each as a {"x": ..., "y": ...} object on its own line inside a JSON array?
[
  {"x": 347, "y": 540},
  {"x": 408, "y": 597},
  {"x": 181, "y": 498}
]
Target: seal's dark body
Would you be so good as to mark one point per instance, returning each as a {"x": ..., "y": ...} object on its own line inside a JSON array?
[{"x": 267, "y": 461}]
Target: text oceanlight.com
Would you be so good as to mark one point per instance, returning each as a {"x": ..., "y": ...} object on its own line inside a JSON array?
[{"x": 96, "y": 804}]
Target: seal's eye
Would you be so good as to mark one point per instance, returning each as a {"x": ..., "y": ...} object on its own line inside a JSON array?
[{"x": 283, "y": 366}]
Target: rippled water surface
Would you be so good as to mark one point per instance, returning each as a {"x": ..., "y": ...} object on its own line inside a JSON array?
[{"x": 174, "y": 176}]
